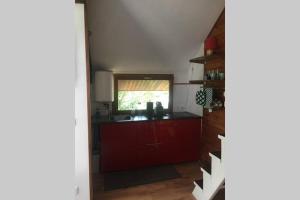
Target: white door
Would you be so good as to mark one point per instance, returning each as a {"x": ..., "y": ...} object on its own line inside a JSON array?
[{"x": 82, "y": 191}]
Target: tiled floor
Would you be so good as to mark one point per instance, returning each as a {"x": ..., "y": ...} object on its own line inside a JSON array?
[{"x": 176, "y": 189}]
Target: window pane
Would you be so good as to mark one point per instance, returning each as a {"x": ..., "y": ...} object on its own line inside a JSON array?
[{"x": 134, "y": 94}]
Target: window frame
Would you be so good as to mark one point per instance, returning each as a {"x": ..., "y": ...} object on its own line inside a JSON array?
[{"x": 117, "y": 77}]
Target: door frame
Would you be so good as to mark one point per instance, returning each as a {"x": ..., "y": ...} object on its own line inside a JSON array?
[{"x": 90, "y": 136}]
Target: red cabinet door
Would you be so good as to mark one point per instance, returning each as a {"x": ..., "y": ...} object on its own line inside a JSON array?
[
  {"x": 170, "y": 143},
  {"x": 148, "y": 145},
  {"x": 118, "y": 146},
  {"x": 180, "y": 139},
  {"x": 141, "y": 144},
  {"x": 189, "y": 135}
]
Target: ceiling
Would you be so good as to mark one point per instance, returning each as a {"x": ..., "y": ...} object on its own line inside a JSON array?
[{"x": 148, "y": 36}]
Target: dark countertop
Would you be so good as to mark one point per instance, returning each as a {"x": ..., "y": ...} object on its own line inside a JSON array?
[{"x": 138, "y": 118}]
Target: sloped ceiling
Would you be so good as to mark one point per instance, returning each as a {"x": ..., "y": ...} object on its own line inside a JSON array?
[{"x": 148, "y": 35}]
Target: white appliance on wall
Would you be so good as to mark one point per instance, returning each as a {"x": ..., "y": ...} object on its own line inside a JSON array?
[{"x": 104, "y": 86}]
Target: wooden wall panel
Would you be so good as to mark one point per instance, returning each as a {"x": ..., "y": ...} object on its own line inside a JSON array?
[
  {"x": 218, "y": 31},
  {"x": 214, "y": 122}
]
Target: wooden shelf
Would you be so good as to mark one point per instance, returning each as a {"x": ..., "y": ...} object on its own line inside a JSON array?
[
  {"x": 210, "y": 83},
  {"x": 213, "y": 109},
  {"x": 205, "y": 59}
]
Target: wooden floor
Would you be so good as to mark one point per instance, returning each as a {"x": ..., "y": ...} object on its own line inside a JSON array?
[{"x": 175, "y": 189}]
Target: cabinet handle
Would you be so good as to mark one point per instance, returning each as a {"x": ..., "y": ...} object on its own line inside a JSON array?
[
  {"x": 153, "y": 144},
  {"x": 156, "y": 145}
]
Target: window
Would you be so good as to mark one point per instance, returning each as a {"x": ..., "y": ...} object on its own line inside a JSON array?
[{"x": 133, "y": 91}]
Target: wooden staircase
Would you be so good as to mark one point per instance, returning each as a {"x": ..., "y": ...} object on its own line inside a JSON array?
[{"x": 212, "y": 185}]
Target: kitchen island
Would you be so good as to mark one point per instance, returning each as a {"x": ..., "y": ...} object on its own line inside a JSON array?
[{"x": 139, "y": 141}]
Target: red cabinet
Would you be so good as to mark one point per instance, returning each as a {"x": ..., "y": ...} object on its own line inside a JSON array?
[
  {"x": 118, "y": 146},
  {"x": 168, "y": 134},
  {"x": 148, "y": 145},
  {"x": 129, "y": 145},
  {"x": 189, "y": 133},
  {"x": 180, "y": 139}
]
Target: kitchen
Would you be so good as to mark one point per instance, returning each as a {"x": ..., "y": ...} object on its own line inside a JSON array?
[
  {"x": 155, "y": 109},
  {"x": 144, "y": 135}
]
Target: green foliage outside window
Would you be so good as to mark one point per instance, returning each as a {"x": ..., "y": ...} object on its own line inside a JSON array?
[{"x": 137, "y": 100}]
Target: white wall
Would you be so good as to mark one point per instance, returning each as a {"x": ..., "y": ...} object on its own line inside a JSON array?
[
  {"x": 180, "y": 92},
  {"x": 81, "y": 114},
  {"x": 184, "y": 95},
  {"x": 196, "y": 72},
  {"x": 180, "y": 98}
]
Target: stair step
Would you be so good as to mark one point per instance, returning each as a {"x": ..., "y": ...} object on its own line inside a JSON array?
[
  {"x": 220, "y": 195},
  {"x": 199, "y": 183},
  {"x": 218, "y": 154},
  {"x": 206, "y": 165},
  {"x": 222, "y": 134}
]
